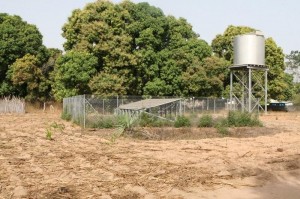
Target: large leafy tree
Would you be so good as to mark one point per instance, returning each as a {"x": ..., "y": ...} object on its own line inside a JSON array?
[
  {"x": 72, "y": 73},
  {"x": 17, "y": 38},
  {"x": 279, "y": 83},
  {"x": 101, "y": 85},
  {"x": 137, "y": 47},
  {"x": 222, "y": 44},
  {"x": 293, "y": 65},
  {"x": 27, "y": 77},
  {"x": 293, "y": 59},
  {"x": 207, "y": 78}
]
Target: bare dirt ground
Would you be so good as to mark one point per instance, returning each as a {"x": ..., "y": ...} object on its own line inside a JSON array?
[{"x": 84, "y": 164}]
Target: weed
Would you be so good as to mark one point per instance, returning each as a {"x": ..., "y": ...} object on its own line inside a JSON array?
[
  {"x": 221, "y": 124},
  {"x": 146, "y": 120},
  {"x": 125, "y": 125},
  {"x": 66, "y": 116},
  {"x": 222, "y": 129},
  {"x": 49, "y": 134},
  {"x": 58, "y": 126},
  {"x": 53, "y": 127},
  {"x": 104, "y": 122},
  {"x": 182, "y": 121},
  {"x": 239, "y": 119},
  {"x": 206, "y": 121}
]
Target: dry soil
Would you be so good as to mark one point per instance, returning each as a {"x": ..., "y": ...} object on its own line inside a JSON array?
[{"x": 79, "y": 163}]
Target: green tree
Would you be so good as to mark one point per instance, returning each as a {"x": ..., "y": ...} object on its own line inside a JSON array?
[
  {"x": 17, "y": 38},
  {"x": 136, "y": 43},
  {"x": 207, "y": 78},
  {"x": 72, "y": 73},
  {"x": 105, "y": 84},
  {"x": 217, "y": 70},
  {"x": 28, "y": 78},
  {"x": 293, "y": 60},
  {"x": 279, "y": 83},
  {"x": 222, "y": 45},
  {"x": 49, "y": 65},
  {"x": 293, "y": 66}
]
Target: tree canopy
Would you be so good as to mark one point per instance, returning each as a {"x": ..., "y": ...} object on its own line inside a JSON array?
[
  {"x": 72, "y": 74},
  {"x": 293, "y": 60},
  {"x": 28, "y": 78},
  {"x": 138, "y": 48},
  {"x": 126, "y": 49},
  {"x": 293, "y": 66},
  {"x": 17, "y": 38}
]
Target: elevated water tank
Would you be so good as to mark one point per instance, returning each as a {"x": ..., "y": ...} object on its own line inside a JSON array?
[{"x": 249, "y": 49}]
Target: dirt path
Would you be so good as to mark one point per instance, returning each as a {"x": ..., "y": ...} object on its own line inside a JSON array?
[{"x": 79, "y": 164}]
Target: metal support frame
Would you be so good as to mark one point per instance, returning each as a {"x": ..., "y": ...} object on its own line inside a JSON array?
[{"x": 253, "y": 80}]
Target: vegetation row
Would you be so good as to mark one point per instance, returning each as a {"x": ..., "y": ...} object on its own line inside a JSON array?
[{"x": 233, "y": 119}]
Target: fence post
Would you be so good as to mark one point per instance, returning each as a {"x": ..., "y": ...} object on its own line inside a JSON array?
[
  {"x": 193, "y": 104},
  {"x": 117, "y": 101},
  {"x": 84, "y": 111},
  {"x": 103, "y": 106},
  {"x": 183, "y": 107},
  {"x": 207, "y": 104},
  {"x": 180, "y": 107},
  {"x": 214, "y": 105}
]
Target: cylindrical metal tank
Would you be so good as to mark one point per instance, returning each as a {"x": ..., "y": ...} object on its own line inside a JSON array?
[{"x": 249, "y": 49}]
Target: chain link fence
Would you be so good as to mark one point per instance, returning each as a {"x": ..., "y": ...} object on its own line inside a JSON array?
[{"x": 86, "y": 110}]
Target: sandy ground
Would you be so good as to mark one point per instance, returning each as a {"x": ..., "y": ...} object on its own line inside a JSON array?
[{"x": 83, "y": 164}]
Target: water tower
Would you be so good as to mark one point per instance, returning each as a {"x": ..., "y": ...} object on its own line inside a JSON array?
[{"x": 248, "y": 75}]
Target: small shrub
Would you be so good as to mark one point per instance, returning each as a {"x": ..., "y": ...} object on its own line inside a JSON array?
[
  {"x": 103, "y": 123},
  {"x": 239, "y": 119},
  {"x": 222, "y": 129},
  {"x": 206, "y": 121},
  {"x": 221, "y": 124},
  {"x": 182, "y": 121},
  {"x": 146, "y": 120},
  {"x": 125, "y": 125},
  {"x": 296, "y": 100},
  {"x": 66, "y": 116},
  {"x": 53, "y": 127},
  {"x": 49, "y": 134},
  {"x": 58, "y": 126}
]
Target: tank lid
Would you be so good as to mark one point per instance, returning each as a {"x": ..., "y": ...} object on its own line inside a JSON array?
[{"x": 256, "y": 32}]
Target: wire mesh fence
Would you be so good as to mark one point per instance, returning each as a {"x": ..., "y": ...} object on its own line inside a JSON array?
[
  {"x": 87, "y": 110},
  {"x": 12, "y": 105}
]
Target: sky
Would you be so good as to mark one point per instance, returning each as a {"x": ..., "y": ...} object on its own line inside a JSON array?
[{"x": 278, "y": 19}]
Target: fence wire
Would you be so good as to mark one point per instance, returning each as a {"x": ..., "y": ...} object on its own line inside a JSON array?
[{"x": 86, "y": 110}]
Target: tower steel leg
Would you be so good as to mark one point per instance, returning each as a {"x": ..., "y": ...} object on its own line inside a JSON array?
[
  {"x": 266, "y": 90},
  {"x": 231, "y": 89},
  {"x": 250, "y": 91}
]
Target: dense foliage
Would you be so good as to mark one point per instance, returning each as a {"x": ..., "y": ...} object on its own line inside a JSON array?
[
  {"x": 17, "y": 38},
  {"x": 140, "y": 51},
  {"x": 125, "y": 49},
  {"x": 72, "y": 74},
  {"x": 293, "y": 60}
]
